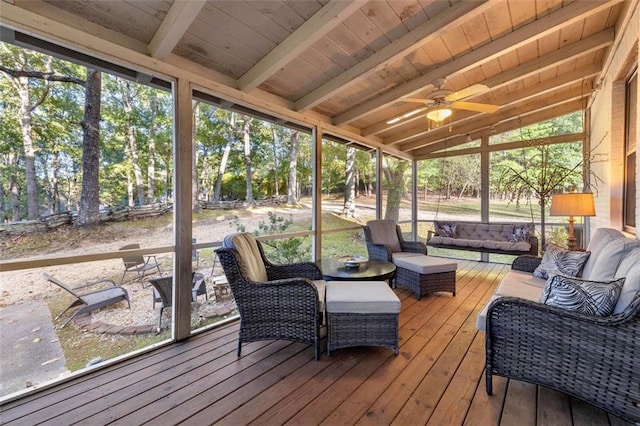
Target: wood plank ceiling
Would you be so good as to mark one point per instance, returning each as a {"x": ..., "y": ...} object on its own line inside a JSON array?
[{"x": 353, "y": 62}]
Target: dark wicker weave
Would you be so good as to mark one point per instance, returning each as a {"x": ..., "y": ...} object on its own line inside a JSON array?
[
  {"x": 596, "y": 359},
  {"x": 526, "y": 263},
  {"x": 382, "y": 252},
  {"x": 286, "y": 307},
  {"x": 360, "y": 329},
  {"x": 421, "y": 284}
]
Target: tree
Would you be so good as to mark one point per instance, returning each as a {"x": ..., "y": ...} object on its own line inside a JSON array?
[
  {"x": 246, "y": 138},
  {"x": 89, "y": 210},
  {"x": 394, "y": 171},
  {"x": 292, "y": 185},
  {"x": 349, "y": 209}
]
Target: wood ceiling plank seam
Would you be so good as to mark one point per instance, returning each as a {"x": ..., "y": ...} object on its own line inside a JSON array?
[
  {"x": 102, "y": 14},
  {"x": 571, "y": 13},
  {"x": 229, "y": 26},
  {"x": 409, "y": 12},
  {"x": 66, "y": 17},
  {"x": 332, "y": 49},
  {"x": 350, "y": 42},
  {"x": 514, "y": 110},
  {"x": 242, "y": 12},
  {"x": 173, "y": 26},
  {"x": 363, "y": 28},
  {"x": 475, "y": 31},
  {"x": 321, "y": 61},
  {"x": 497, "y": 128},
  {"x": 496, "y": 24},
  {"x": 384, "y": 18},
  {"x": 209, "y": 53},
  {"x": 299, "y": 40},
  {"x": 456, "y": 42},
  {"x": 521, "y": 12},
  {"x": 280, "y": 13},
  {"x": 398, "y": 48},
  {"x": 306, "y": 9}
]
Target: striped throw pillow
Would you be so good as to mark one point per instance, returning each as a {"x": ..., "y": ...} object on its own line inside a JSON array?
[
  {"x": 596, "y": 298},
  {"x": 557, "y": 260}
]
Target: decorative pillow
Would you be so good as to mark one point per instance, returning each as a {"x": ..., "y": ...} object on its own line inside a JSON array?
[
  {"x": 519, "y": 233},
  {"x": 596, "y": 298},
  {"x": 446, "y": 229},
  {"x": 557, "y": 260}
]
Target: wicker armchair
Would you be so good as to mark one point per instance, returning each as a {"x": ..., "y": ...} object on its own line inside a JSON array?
[
  {"x": 596, "y": 359},
  {"x": 384, "y": 237},
  {"x": 274, "y": 301}
]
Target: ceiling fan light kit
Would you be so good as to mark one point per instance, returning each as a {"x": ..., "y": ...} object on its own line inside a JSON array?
[{"x": 439, "y": 115}]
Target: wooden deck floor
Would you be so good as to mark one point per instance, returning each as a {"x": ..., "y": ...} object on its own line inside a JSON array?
[{"x": 436, "y": 379}]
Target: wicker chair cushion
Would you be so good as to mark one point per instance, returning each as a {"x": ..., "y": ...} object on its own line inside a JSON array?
[
  {"x": 403, "y": 254},
  {"x": 366, "y": 297},
  {"x": 601, "y": 237},
  {"x": 384, "y": 232},
  {"x": 250, "y": 259},
  {"x": 557, "y": 260},
  {"x": 630, "y": 289},
  {"x": 605, "y": 266},
  {"x": 596, "y": 298},
  {"x": 321, "y": 286}
]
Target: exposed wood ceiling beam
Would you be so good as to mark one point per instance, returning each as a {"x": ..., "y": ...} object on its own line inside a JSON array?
[
  {"x": 396, "y": 50},
  {"x": 585, "y": 72},
  {"x": 542, "y": 27},
  {"x": 568, "y": 53},
  {"x": 173, "y": 27},
  {"x": 515, "y": 110},
  {"x": 327, "y": 18},
  {"x": 501, "y": 127},
  {"x": 573, "y": 137}
]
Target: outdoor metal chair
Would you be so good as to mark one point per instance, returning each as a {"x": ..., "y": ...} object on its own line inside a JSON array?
[
  {"x": 163, "y": 290},
  {"x": 138, "y": 264},
  {"x": 274, "y": 301},
  {"x": 91, "y": 301}
]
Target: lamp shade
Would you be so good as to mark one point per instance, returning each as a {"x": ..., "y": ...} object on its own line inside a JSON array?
[
  {"x": 573, "y": 204},
  {"x": 439, "y": 114}
]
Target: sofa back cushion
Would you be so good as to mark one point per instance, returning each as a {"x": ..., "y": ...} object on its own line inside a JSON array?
[
  {"x": 630, "y": 289},
  {"x": 384, "y": 232},
  {"x": 248, "y": 255},
  {"x": 606, "y": 264},
  {"x": 493, "y": 231},
  {"x": 600, "y": 238}
]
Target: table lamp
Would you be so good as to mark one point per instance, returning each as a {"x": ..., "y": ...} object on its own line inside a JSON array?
[{"x": 572, "y": 204}]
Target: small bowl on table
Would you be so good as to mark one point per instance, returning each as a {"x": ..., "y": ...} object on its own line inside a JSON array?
[{"x": 352, "y": 262}]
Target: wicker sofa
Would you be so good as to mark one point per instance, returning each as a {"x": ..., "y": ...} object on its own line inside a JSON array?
[
  {"x": 492, "y": 237},
  {"x": 596, "y": 359}
]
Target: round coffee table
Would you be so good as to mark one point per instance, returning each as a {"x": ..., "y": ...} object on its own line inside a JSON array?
[{"x": 370, "y": 270}]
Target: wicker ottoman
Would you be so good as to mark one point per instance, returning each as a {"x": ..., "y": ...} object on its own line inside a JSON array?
[
  {"x": 426, "y": 274},
  {"x": 361, "y": 313}
]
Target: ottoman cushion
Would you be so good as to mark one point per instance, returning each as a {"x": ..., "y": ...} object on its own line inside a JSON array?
[
  {"x": 426, "y": 265},
  {"x": 361, "y": 297}
]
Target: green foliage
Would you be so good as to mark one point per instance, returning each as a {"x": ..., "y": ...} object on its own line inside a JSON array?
[{"x": 282, "y": 251}]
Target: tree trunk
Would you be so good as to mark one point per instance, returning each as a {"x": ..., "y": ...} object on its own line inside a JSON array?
[
  {"x": 349, "y": 209},
  {"x": 292, "y": 186},
  {"x": 275, "y": 161},
  {"x": 195, "y": 112},
  {"x": 29, "y": 152},
  {"x": 15, "y": 200},
  {"x": 89, "y": 211},
  {"x": 132, "y": 145},
  {"x": 151, "y": 161},
  {"x": 55, "y": 183},
  {"x": 246, "y": 137},
  {"x": 221, "y": 170},
  {"x": 395, "y": 188}
]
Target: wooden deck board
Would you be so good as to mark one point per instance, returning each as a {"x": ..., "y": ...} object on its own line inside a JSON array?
[{"x": 438, "y": 378}]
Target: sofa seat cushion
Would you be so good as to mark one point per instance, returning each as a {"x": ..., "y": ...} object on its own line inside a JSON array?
[
  {"x": 366, "y": 297},
  {"x": 426, "y": 265},
  {"x": 522, "y": 246},
  {"x": 596, "y": 298},
  {"x": 514, "y": 284},
  {"x": 611, "y": 254}
]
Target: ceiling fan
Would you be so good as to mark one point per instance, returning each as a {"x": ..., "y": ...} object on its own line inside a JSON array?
[{"x": 440, "y": 102}]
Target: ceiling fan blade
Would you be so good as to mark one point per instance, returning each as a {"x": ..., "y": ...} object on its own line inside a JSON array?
[
  {"x": 422, "y": 101},
  {"x": 474, "y": 106},
  {"x": 471, "y": 90}
]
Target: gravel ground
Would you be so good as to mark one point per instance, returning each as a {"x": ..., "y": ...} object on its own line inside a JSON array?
[{"x": 28, "y": 285}]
